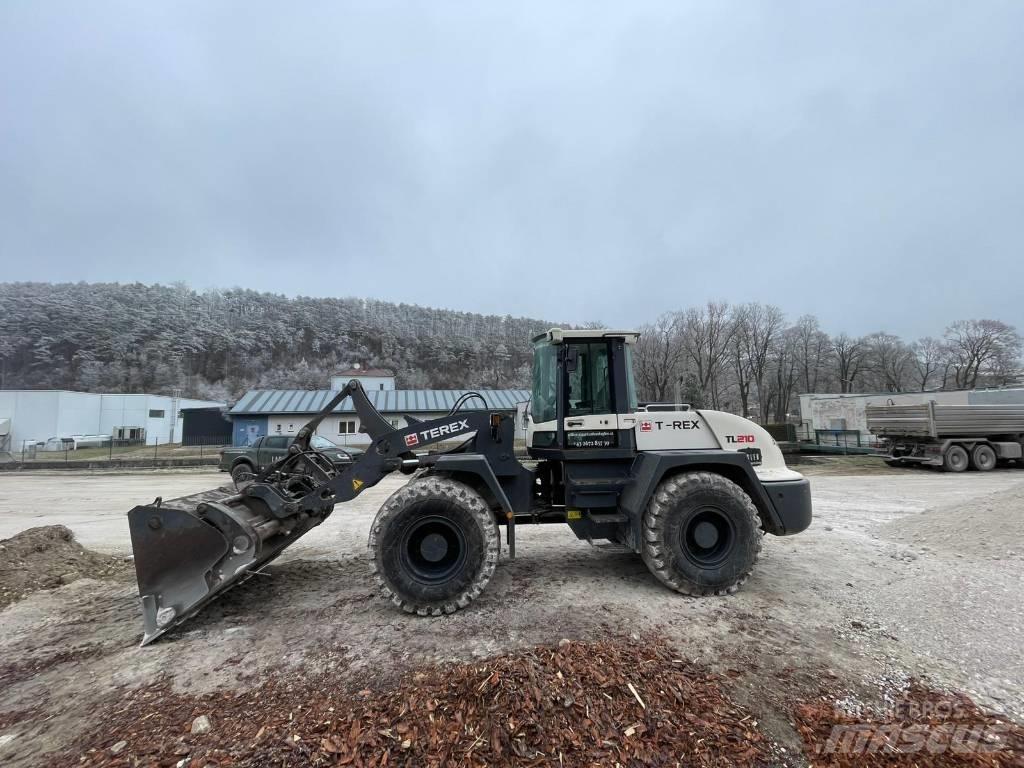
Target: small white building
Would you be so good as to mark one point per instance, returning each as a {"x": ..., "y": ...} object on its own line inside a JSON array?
[
  {"x": 847, "y": 412},
  {"x": 372, "y": 379},
  {"x": 38, "y": 416}
]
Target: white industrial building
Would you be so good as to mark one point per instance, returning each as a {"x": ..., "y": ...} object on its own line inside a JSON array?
[
  {"x": 45, "y": 417},
  {"x": 372, "y": 379},
  {"x": 847, "y": 412}
]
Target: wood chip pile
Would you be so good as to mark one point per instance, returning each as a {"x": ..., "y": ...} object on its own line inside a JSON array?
[{"x": 580, "y": 704}]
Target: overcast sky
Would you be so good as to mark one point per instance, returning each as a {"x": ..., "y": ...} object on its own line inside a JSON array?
[{"x": 862, "y": 161}]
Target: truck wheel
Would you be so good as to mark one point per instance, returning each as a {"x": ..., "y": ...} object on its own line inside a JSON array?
[
  {"x": 955, "y": 459},
  {"x": 242, "y": 475},
  {"x": 983, "y": 458},
  {"x": 702, "y": 534},
  {"x": 434, "y": 546}
]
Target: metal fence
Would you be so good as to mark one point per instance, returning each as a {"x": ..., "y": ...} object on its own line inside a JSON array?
[
  {"x": 846, "y": 439},
  {"x": 200, "y": 450}
]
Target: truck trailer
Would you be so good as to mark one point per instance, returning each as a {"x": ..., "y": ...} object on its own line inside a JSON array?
[{"x": 951, "y": 437}]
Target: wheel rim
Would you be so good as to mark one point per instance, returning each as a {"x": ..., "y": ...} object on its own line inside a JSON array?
[
  {"x": 707, "y": 538},
  {"x": 433, "y": 549}
]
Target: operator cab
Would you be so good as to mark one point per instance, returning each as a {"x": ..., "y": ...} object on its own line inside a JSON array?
[{"x": 583, "y": 405}]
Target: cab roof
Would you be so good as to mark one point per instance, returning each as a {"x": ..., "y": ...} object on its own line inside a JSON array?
[{"x": 559, "y": 335}]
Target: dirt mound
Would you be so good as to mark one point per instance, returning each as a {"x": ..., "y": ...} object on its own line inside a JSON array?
[
  {"x": 578, "y": 704},
  {"x": 989, "y": 526},
  {"x": 47, "y": 557}
]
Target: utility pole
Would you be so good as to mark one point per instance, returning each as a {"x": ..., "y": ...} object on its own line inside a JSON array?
[{"x": 175, "y": 396}]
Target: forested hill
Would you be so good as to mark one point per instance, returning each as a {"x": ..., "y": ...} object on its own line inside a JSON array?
[{"x": 109, "y": 337}]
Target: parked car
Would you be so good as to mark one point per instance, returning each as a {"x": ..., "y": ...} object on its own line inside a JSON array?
[{"x": 243, "y": 462}]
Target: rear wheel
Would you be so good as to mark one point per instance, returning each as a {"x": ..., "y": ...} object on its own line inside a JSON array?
[
  {"x": 955, "y": 459},
  {"x": 983, "y": 458},
  {"x": 434, "y": 546},
  {"x": 702, "y": 534}
]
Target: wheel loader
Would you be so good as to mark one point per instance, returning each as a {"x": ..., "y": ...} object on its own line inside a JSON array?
[{"x": 691, "y": 491}]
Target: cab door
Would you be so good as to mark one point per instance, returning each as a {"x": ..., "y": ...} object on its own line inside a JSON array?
[{"x": 590, "y": 419}]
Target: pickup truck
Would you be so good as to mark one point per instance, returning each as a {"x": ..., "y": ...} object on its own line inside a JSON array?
[{"x": 244, "y": 461}]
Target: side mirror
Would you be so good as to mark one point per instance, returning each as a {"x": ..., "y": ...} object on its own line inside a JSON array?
[{"x": 572, "y": 358}]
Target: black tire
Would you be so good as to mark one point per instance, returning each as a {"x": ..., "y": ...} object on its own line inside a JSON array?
[
  {"x": 983, "y": 458},
  {"x": 680, "y": 548},
  {"x": 242, "y": 474},
  {"x": 434, "y": 546},
  {"x": 893, "y": 462},
  {"x": 955, "y": 459}
]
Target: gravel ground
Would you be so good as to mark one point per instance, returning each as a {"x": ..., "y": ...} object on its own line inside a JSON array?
[{"x": 856, "y": 599}]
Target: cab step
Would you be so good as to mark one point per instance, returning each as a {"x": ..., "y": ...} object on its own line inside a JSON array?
[{"x": 607, "y": 517}]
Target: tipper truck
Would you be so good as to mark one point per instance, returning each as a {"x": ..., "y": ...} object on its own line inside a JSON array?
[
  {"x": 691, "y": 491},
  {"x": 952, "y": 437}
]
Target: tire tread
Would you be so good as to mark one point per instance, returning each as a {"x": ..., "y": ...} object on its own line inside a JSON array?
[
  {"x": 671, "y": 492},
  {"x": 446, "y": 489}
]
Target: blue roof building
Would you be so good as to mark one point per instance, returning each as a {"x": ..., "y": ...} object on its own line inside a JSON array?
[{"x": 284, "y": 411}]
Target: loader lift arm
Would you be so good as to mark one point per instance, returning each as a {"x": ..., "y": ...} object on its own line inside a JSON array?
[
  {"x": 227, "y": 540},
  {"x": 389, "y": 452}
]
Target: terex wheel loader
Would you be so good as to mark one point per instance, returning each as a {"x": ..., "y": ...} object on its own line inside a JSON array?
[{"x": 690, "y": 491}]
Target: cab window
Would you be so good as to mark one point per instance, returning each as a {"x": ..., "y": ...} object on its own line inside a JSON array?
[
  {"x": 631, "y": 401},
  {"x": 589, "y": 385},
  {"x": 543, "y": 399}
]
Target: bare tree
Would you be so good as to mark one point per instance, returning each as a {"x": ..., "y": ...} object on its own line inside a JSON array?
[
  {"x": 929, "y": 357},
  {"x": 707, "y": 332},
  {"x": 982, "y": 347},
  {"x": 813, "y": 349},
  {"x": 738, "y": 346},
  {"x": 659, "y": 357},
  {"x": 888, "y": 360},
  {"x": 849, "y": 357},
  {"x": 756, "y": 327},
  {"x": 784, "y": 373}
]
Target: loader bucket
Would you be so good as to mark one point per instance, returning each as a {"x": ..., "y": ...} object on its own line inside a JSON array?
[{"x": 184, "y": 559}]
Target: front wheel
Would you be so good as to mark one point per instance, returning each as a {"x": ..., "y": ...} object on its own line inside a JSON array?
[
  {"x": 434, "y": 546},
  {"x": 702, "y": 534}
]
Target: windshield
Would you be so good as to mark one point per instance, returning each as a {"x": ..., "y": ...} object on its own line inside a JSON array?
[
  {"x": 545, "y": 366},
  {"x": 321, "y": 443}
]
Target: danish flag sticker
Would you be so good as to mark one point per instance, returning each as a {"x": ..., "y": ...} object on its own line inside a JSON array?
[
  {"x": 645, "y": 426},
  {"x": 411, "y": 440}
]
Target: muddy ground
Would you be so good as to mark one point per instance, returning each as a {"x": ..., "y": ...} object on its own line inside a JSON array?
[{"x": 882, "y": 588}]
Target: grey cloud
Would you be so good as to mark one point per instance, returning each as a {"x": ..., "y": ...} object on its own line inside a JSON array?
[{"x": 860, "y": 161}]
